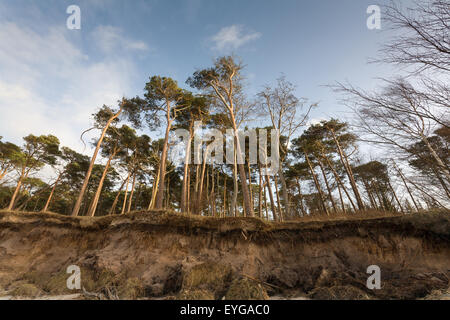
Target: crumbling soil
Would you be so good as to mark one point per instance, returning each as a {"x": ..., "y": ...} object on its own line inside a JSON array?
[{"x": 161, "y": 255}]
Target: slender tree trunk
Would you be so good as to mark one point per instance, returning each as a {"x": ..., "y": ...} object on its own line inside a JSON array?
[
  {"x": 260, "y": 192},
  {"x": 316, "y": 182},
  {"x": 132, "y": 193},
  {"x": 154, "y": 190},
  {"x": 265, "y": 201},
  {"x": 379, "y": 197},
  {"x": 77, "y": 206},
  {"x": 272, "y": 202},
  {"x": 161, "y": 187},
  {"x": 395, "y": 196},
  {"x": 4, "y": 172},
  {"x": 442, "y": 182},
  {"x": 168, "y": 193},
  {"x": 284, "y": 193},
  {"x": 185, "y": 187},
  {"x": 235, "y": 189},
  {"x": 330, "y": 194},
  {"x": 224, "y": 194},
  {"x": 369, "y": 193},
  {"x": 280, "y": 212},
  {"x": 407, "y": 187},
  {"x": 116, "y": 199},
  {"x": 338, "y": 179},
  {"x": 300, "y": 194},
  {"x": 49, "y": 199},
  {"x": 341, "y": 198},
  {"x": 439, "y": 161},
  {"x": 348, "y": 169},
  {"x": 94, "y": 203},
  {"x": 126, "y": 194},
  {"x": 17, "y": 190},
  {"x": 187, "y": 206},
  {"x": 200, "y": 192},
  {"x": 250, "y": 185},
  {"x": 245, "y": 191}
]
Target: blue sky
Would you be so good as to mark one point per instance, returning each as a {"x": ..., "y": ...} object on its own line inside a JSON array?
[{"x": 52, "y": 79}]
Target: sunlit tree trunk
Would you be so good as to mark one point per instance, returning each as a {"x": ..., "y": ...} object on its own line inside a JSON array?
[
  {"x": 407, "y": 187},
  {"x": 163, "y": 165},
  {"x": 94, "y": 203},
  {"x": 116, "y": 199},
  {"x": 126, "y": 194},
  {"x": 77, "y": 206},
  {"x": 396, "y": 198},
  {"x": 280, "y": 212},
  {"x": 300, "y": 194},
  {"x": 132, "y": 193},
  {"x": 316, "y": 182},
  {"x": 330, "y": 194},
  {"x": 338, "y": 179},
  {"x": 272, "y": 202},
  {"x": 49, "y": 199},
  {"x": 154, "y": 191},
  {"x": 185, "y": 185},
  {"x": 348, "y": 169},
  {"x": 260, "y": 193},
  {"x": 23, "y": 176}
]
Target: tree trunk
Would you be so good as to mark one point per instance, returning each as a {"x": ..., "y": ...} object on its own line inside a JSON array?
[
  {"x": 132, "y": 193},
  {"x": 4, "y": 172},
  {"x": 245, "y": 191},
  {"x": 260, "y": 192},
  {"x": 338, "y": 179},
  {"x": 284, "y": 193},
  {"x": 17, "y": 190},
  {"x": 47, "y": 204},
  {"x": 93, "y": 207},
  {"x": 116, "y": 199},
  {"x": 77, "y": 206},
  {"x": 396, "y": 198},
  {"x": 407, "y": 187},
  {"x": 154, "y": 190},
  {"x": 272, "y": 202},
  {"x": 369, "y": 193},
  {"x": 280, "y": 212},
  {"x": 300, "y": 194},
  {"x": 330, "y": 195},
  {"x": 235, "y": 187},
  {"x": 316, "y": 182},
  {"x": 163, "y": 164},
  {"x": 437, "y": 158},
  {"x": 200, "y": 191},
  {"x": 185, "y": 177},
  {"x": 250, "y": 185},
  {"x": 348, "y": 169},
  {"x": 126, "y": 194},
  {"x": 224, "y": 195},
  {"x": 341, "y": 198}
]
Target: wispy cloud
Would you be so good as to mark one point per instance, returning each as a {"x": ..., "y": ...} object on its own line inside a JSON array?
[
  {"x": 111, "y": 39},
  {"x": 233, "y": 37},
  {"x": 48, "y": 85}
]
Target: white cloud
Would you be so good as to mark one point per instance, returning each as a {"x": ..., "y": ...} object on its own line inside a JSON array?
[
  {"x": 48, "y": 85},
  {"x": 233, "y": 37},
  {"x": 110, "y": 39}
]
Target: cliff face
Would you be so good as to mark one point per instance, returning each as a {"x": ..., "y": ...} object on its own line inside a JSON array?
[{"x": 157, "y": 254}]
